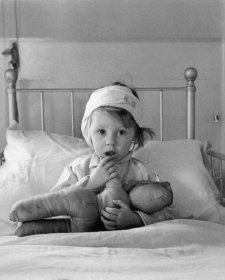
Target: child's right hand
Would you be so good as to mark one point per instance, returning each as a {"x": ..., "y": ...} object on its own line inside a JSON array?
[{"x": 105, "y": 171}]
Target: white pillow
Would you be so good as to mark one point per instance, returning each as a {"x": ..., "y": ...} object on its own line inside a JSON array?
[
  {"x": 35, "y": 160},
  {"x": 181, "y": 163}
]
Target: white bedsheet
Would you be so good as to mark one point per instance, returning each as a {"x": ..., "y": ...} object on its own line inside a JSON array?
[{"x": 178, "y": 249}]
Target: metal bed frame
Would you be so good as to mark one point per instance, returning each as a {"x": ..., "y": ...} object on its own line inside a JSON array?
[
  {"x": 190, "y": 74},
  {"x": 216, "y": 169}
]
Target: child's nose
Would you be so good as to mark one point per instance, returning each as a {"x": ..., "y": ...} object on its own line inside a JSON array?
[{"x": 110, "y": 141}]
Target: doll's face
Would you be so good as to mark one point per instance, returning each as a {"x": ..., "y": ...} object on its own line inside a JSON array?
[{"x": 109, "y": 135}]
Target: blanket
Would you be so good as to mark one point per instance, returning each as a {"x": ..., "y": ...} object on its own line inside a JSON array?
[{"x": 177, "y": 249}]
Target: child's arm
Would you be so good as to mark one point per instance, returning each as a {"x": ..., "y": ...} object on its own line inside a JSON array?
[
  {"x": 66, "y": 179},
  {"x": 103, "y": 173},
  {"x": 153, "y": 198},
  {"x": 115, "y": 219}
]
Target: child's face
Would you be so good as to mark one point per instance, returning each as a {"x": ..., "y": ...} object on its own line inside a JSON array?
[{"x": 109, "y": 136}]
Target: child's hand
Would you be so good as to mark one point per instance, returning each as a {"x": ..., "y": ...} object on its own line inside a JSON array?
[
  {"x": 122, "y": 218},
  {"x": 105, "y": 171}
]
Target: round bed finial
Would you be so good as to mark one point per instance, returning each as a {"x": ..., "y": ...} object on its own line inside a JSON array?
[
  {"x": 190, "y": 74},
  {"x": 11, "y": 76}
]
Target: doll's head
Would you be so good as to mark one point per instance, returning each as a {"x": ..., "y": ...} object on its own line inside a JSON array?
[{"x": 112, "y": 121}]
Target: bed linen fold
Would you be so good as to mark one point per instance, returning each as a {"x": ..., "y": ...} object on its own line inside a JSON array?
[
  {"x": 159, "y": 235},
  {"x": 177, "y": 249}
]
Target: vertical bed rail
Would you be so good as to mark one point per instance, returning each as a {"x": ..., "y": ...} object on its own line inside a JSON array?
[
  {"x": 11, "y": 76},
  {"x": 161, "y": 115},
  {"x": 42, "y": 100},
  {"x": 72, "y": 112},
  {"x": 190, "y": 75},
  {"x": 217, "y": 171},
  {"x": 42, "y": 110}
]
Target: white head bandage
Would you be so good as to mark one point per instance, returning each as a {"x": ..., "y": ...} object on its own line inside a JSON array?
[{"x": 116, "y": 96}]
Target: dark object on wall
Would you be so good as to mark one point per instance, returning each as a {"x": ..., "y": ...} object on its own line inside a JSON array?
[{"x": 13, "y": 51}]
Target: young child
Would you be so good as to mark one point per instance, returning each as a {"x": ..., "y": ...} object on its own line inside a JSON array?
[{"x": 107, "y": 187}]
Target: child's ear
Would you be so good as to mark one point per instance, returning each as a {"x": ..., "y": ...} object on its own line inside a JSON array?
[
  {"x": 91, "y": 142},
  {"x": 135, "y": 140},
  {"x": 134, "y": 143}
]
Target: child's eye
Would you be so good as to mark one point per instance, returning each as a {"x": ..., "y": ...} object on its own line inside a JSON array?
[
  {"x": 101, "y": 131},
  {"x": 121, "y": 132}
]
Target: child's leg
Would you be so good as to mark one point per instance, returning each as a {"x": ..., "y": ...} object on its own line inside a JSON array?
[{"x": 149, "y": 197}]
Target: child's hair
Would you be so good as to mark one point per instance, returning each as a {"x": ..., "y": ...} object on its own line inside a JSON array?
[
  {"x": 140, "y": 131},
  {"x": 128, "y": 120}
]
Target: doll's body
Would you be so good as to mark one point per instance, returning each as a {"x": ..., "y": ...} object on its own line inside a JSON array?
[{"x": 83, "y": 207}]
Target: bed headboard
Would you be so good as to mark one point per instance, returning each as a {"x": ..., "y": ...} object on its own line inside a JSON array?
[{"x": 190, "y": 74}]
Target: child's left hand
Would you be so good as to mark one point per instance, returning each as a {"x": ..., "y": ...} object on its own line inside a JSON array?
[{"x": 122, "y": 218}]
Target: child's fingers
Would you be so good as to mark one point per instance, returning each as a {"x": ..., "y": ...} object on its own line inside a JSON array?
[
  {"x": 109, "y": 165},
  {"x": 109, "y": 218},
  {"x": 110, "y": 213},
  {"x": 111, "y": 170},
  {"x": 121, "y": 204},
  {"x": 109, "y": 225},
  {"x": 113, "y": 175},
  {"x": 105, "y": 160}
]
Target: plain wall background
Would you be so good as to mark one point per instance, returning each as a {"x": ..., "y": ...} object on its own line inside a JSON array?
[{"x": 119, "y": 46}]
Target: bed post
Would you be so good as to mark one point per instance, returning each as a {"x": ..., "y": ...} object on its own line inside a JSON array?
[
  {"x": 190, "y": 75},
  {"x": 11, "y": 76}
]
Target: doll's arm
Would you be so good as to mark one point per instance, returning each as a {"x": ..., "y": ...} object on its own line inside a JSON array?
[{"x": 168, "y": 213}]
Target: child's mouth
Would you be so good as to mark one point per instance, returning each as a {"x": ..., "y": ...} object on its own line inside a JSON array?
[{"x": 110, "y": 153}]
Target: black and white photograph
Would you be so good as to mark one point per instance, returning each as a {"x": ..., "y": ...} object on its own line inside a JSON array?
[{"x": 112, "y": 139}]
